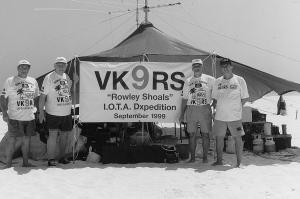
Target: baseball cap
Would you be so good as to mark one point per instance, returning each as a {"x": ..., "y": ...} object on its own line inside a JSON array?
[
  {"x": 24, "y": 62},
  {"x": 196, "y": 62},
  {"x": 61, "y": 60},
  {"x": 225, "y": 61}
]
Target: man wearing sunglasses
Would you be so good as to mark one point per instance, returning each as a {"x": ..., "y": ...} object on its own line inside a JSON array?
[{"x": 231, "y": 93}]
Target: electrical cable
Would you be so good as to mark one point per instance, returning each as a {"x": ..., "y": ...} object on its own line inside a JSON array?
[
  {"x": 161, "y": 19},
  {"x": 234, "y": 39},
  {"x": 91, "y": 26},
  {"x": 105, "y": 36},
  {"x": 96, "y": 4}
]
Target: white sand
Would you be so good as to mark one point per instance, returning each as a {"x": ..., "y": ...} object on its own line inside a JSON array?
[{"x": 259, "y": 177}]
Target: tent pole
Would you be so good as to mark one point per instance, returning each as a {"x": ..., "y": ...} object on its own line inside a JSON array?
[
  {"x": 214, "y": 72},
  {"x": 214, "y": 64},
  {"x": 75, "y": 80},
  {"x": 142, "y": 133},
  {"x": 145, "y": 58}
]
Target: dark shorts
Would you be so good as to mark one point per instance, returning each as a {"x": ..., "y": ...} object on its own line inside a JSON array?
[
  {"x": 17, "y": 128},
  {"x": 62, "y": 123}
]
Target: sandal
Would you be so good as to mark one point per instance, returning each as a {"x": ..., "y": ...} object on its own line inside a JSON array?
[{"x": 51, "y": 163}]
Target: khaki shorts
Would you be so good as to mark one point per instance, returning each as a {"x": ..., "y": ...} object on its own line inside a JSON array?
[
  {"x": 235, "y": 128},
  {"x": 199, "y": 115}
]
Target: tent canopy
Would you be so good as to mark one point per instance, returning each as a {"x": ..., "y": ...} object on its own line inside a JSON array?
[
  {"x": 260, "y": 83},
  {"x": 147, "y": 43}
]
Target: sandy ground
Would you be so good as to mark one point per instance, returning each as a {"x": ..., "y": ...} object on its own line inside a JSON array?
[{"x": 267, "y": 176}]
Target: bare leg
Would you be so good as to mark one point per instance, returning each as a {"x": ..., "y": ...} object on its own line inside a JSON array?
[
  {"x": 220, "y": 146},
  {"x": 25, "y": 151},
  {"x": 10, "y": 149},
  {"x": 51, "y": 144},
  {"x": 238, "y": 149},
  {"x": 205, "y": 145},
  {"x": 192, "y": 144},
  {"x": 18, "y": 143},
  {"x": 63, "y": 143}
]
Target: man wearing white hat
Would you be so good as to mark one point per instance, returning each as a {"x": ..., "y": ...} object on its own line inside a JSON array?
[
  {"x": 17, "y": 104},
  {"x": 196, "y": 100},
  {"x": 55, "y": 105}
]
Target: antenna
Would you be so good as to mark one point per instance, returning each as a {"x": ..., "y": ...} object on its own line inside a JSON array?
[
  {"x": 146, "y": 9},
  {"x": 68, "y": 9},
  {"x": 137, "y": 13}
]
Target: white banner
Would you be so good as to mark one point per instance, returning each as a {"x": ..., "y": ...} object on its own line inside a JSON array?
[{"x": 131, "y": 92}]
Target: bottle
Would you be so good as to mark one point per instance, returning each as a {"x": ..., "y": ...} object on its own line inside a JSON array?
[
  {"x": 258, "y": 144},
  {"x": 270, "y": 145},
  {"x": 283, "y": 126},
  {"x": 267, "y": 128}
]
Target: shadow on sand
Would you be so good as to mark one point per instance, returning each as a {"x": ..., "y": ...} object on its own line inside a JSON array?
[{"x": 249, "y": 159}]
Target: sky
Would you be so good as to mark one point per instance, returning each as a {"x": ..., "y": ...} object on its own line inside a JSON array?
[{"x": 263, "y": 34}]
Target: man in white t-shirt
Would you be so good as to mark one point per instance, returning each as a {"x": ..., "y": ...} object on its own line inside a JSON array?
[
  {"x": 17, "y": 104},
  {"x": 196, "y": 101},
  {"x": 56, "y": 98},
  {"x": 231, "y": 93}
]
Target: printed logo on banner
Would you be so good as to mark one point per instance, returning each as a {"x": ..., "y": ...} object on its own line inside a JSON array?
[{"x": 141, "y": 75}]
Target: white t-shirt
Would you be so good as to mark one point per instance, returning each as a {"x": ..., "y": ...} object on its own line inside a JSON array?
[
  {"x": 20, "y": 93},
  {"x": 198, "y": 90},
  {"x": 229, "y": 94},
  {"x": 57, "y": 88}
]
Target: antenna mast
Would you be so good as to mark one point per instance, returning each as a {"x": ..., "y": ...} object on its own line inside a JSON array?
[
  {"x": 137, "y": 13},
  {"x": 146, "y": 9}
]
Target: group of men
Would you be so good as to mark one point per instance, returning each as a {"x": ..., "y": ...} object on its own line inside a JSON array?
[
  {"x": 206, "y": 100},
  {"x": 213, "y": 104},
  {"x": 19, "y": 98}
]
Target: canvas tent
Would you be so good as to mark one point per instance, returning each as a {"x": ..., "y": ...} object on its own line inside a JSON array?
[{"x": 147, "y": 43}]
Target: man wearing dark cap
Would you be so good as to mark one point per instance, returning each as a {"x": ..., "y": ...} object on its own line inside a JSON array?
[
  {"x": 57, "y": 101},
  {"x": 17, "y": 104},
  {"x": 196, "y": 100},
  {"x": 231, "y": 93}
]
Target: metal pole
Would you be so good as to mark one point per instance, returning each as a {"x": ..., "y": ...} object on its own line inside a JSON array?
[
  {"x": 74, "y": 108},
  {"x": 214, "y": 64},
  {"x": 137, "y": 13},
  {"x": 146, "y": 10}
]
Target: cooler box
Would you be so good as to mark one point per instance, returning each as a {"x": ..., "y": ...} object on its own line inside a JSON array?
[{"x": 282, "y": 141}]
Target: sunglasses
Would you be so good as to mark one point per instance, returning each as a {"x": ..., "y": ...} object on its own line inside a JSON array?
[
  {"x": 61, "y": 65},
  {"x": 224, "y": 65}
]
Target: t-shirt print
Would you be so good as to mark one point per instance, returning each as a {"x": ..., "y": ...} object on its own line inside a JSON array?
[
  {"x": 25, "y": 95},
  {"x": 197, "y": 92},
  {"x": 62, "y": 90}
]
